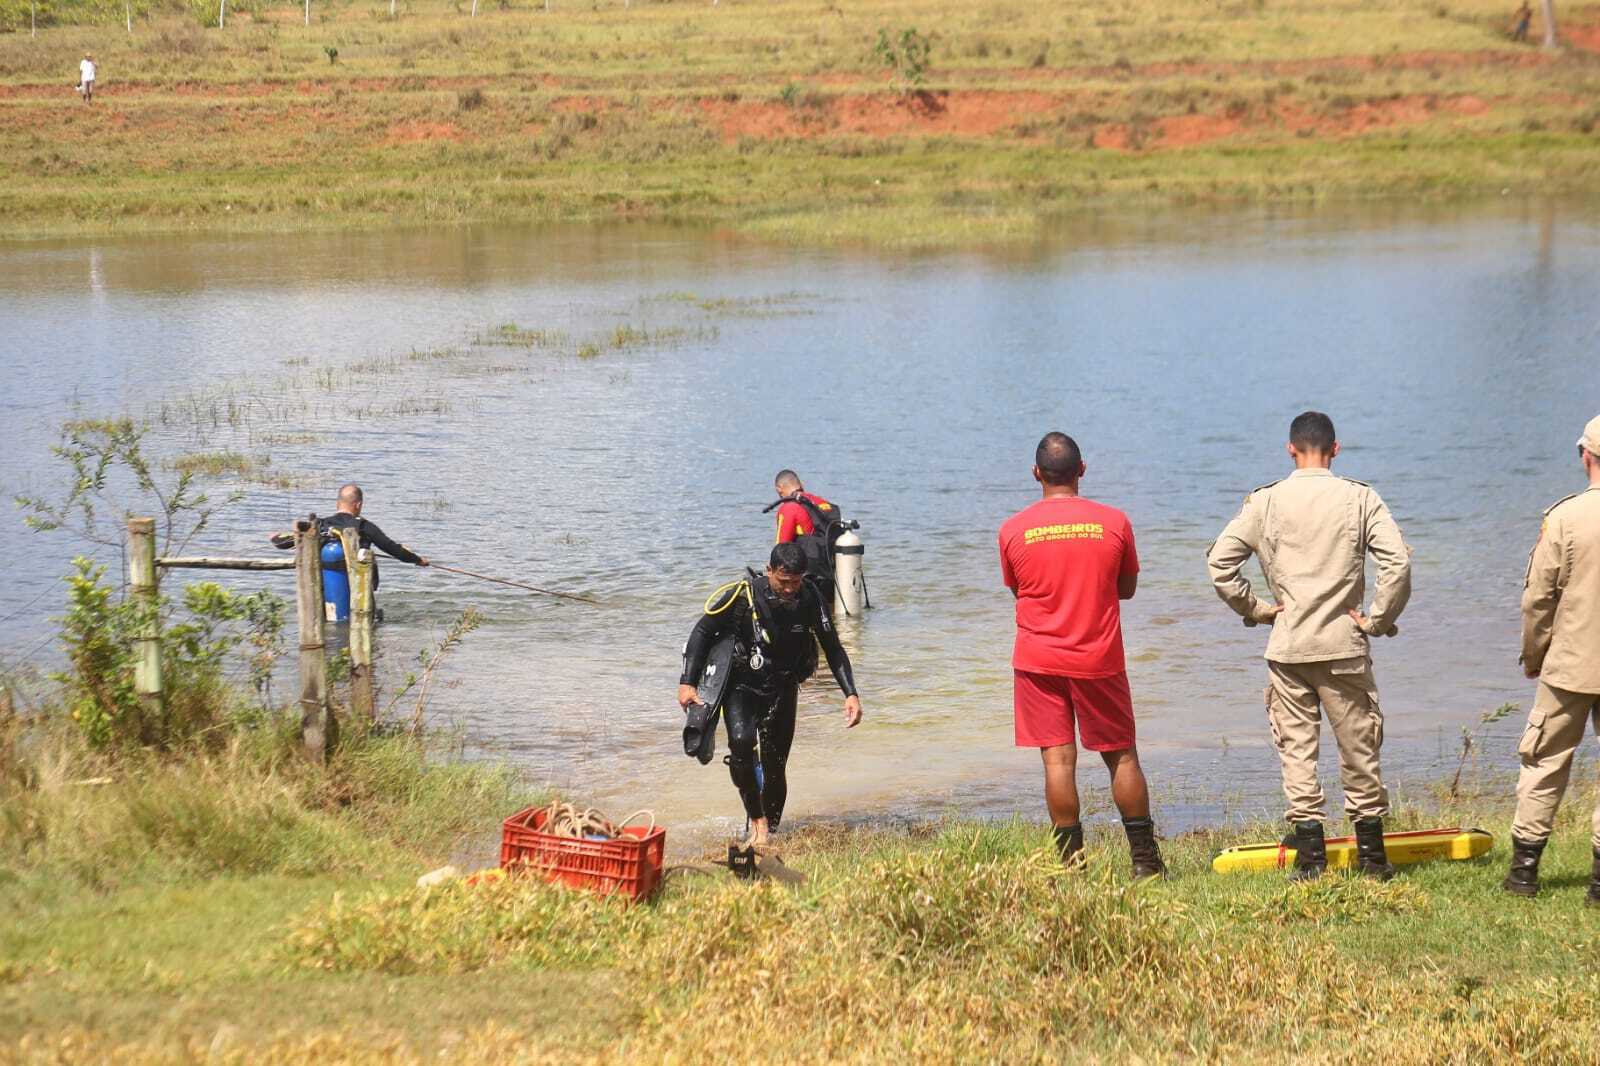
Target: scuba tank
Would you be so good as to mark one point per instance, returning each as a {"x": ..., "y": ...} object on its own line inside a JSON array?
[
  {"x": 849, "y": 578},
  {"x": 335, "y": 583}
]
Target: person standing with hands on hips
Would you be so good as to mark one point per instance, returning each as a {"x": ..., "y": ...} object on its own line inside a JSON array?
[
  {"x": 1312, "y": 532},
  {"x": 1069, "y": 562},
  {"x": 1560, "y": 647}
]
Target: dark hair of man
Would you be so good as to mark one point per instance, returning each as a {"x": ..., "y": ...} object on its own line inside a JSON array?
[
  {"x": 350, "y": 493},
  {"x": 1058, "y": 459},
  {"x": 1312, "y": 432},
  {"x": 786, "y": 479},
  {"x": 790, "y": 558}
]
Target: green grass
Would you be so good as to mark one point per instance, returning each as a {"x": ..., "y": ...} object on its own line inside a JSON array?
[
  {"x": 777, "y": 119},
  {"x": 236, "y": 901}
]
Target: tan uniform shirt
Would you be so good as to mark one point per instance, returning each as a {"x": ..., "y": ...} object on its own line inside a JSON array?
[
  {"x": 1561, "y": 600},
  {"x": 1312, "y": 532}
]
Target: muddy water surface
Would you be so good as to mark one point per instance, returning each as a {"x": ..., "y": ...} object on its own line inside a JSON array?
[{"x": 1456, "y": 350}]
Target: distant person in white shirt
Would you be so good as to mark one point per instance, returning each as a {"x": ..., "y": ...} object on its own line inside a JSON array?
[{"x": 86, "y": 77}]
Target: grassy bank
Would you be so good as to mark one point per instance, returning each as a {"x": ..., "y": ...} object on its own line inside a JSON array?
[
  {"x": 236, "y": 904},
  {"x": 785, "y": 119}
]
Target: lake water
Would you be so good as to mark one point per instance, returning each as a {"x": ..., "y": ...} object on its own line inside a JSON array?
[{"x": 1454, "y": 347}]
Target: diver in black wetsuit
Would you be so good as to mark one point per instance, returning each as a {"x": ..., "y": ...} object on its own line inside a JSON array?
[
  {"x": 774, "y": 618},
  {"x": 368, "y": 535}
]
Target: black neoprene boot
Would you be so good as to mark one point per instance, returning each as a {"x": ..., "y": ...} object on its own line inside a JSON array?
[
  {"x": 1069, "y": 842},
  {"x": 1142, "y": 847},
  {"x": 1310, "y": 852},
  {"x": 1593, "y": 899},
  {"x": 1523, "y": 877},
  {"x": 1372, "y": 860}
]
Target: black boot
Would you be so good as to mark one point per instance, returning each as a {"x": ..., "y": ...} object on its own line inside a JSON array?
[
  {"x": 1142, "y": 847},
  {"x": 1593, "y": 899},
  {"x": 1069, "y": 842},
  {"x": 1310, "y": 852},
  {"x": 1371, "y": 858},
  {"x": 1523, "y": 877}
]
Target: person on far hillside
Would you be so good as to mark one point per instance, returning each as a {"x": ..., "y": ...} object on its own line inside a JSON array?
[
  {"x": 1520, "y": 23},
  {"x": 86, "y": 73},
  {"x": 1069, "y": 562}
]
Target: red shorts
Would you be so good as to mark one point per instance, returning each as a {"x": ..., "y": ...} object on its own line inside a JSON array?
[{"x": 1046, "y": 706}]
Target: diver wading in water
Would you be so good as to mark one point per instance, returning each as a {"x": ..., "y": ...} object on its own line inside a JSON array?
[
  {"x": 368, "y": 535},
  {"x": 815, "y": 524},
  {"x": 771, "y": 620}
]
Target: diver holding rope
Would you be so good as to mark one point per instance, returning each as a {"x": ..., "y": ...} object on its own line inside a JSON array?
[{"x": 771, "y": 619}]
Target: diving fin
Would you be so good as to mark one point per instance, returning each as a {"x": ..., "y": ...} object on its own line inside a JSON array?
[
  {"x": 773, "y": 867},
  {"x": 742, "y": 861},
  {"x": 700, "y": 731}
]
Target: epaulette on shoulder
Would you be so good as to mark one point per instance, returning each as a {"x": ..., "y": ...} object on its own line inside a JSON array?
[
  {"x": 1561, "y": 501},
  {"x": 1260, "y": 488},
  {"x": 1352, "y": 481}
]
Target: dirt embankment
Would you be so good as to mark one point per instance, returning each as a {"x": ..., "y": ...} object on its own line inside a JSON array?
[{"x": 1039, "y": 110}]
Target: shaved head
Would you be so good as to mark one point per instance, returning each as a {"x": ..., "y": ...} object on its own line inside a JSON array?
[
  {"x": 787, "y": 482},
  {"x": 1058, "y": 459},
  {"x": 350, "y": 495}
]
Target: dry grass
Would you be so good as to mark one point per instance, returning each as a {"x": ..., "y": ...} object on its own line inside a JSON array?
[
  {"x": 778, "y": 117},
  {"x": 236, "y": 904}
]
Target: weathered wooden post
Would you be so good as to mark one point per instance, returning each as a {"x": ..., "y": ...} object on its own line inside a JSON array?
[
  {"x": 316, "y": 718},
  {"x": 358, "y": 567},
  {"x": 146, "y": 596}
]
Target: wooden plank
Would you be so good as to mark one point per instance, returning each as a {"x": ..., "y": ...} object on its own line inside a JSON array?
[
  {"x": 218, "y": 562},
  {"x": 147, "y": 680}
]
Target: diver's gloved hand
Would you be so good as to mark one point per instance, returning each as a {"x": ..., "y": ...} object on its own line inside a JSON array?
[{"x": 282, "y": 540}]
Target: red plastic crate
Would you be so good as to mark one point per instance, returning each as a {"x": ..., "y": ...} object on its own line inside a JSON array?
[{"x": 629, "y": 866}]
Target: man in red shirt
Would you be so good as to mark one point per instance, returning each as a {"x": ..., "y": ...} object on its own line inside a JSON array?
[
  {"x": 794, "y": 518},
  {"x": 808, "y": 519},
  {"x": 1069, "y": 561}
]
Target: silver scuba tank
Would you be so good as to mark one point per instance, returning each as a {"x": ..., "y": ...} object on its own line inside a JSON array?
[{"x": 849, "y": 579}]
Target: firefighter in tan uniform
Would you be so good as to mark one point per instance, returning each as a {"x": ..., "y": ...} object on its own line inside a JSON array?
[
  {"x": 1312, "y": 532},
  {"x": 1560, "y": 647}
]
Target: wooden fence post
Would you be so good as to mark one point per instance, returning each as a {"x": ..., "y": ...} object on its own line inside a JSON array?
[
  {"x": 358, "y": 567},
  {"x": 147, "y": 645},
  {"x": 316, "y": 718}
]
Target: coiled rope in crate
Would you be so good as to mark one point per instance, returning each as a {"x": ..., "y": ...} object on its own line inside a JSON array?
[{"x": 566, "y": 820}]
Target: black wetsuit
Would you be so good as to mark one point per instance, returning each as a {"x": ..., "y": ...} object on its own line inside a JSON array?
[
  {"x": 368, "y": 535},
  {"x": 760, "y": 704}
]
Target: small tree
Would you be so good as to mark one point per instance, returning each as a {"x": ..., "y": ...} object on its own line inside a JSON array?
[
  {"x": 107, "y": 463},
  {"x": 906, "y": 54}
]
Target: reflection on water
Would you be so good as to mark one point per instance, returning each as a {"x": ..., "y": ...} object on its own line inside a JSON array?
[{"x": 1454, "y": 348}]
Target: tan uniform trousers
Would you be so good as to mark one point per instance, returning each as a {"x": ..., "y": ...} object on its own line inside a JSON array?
[
  {"x": 1346, "y": 690},
  {"x": 1556, "y": 727}
]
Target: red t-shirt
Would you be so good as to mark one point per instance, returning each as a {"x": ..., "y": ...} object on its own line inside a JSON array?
[
  {"x": 1063, "y": 556},
  {"x": 795, "y": 521}
]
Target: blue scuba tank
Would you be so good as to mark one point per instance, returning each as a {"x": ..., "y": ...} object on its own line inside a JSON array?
[{"x": 335, "y": 583}]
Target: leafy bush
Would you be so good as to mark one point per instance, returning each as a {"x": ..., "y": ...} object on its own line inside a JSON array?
[
  {"x": 100, "y": 632},
  {"x": 906, "y": 54}
]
